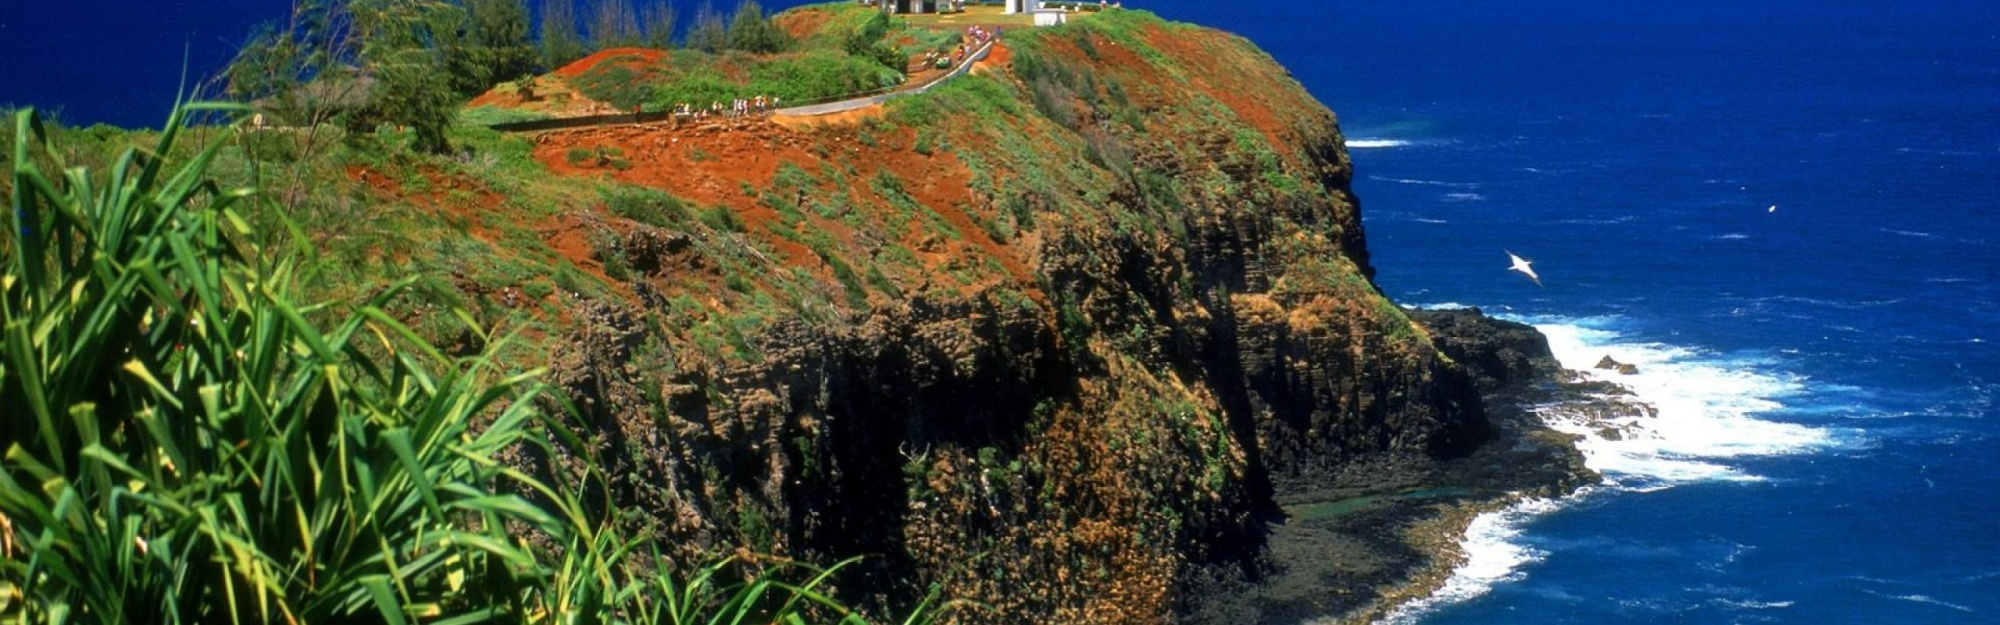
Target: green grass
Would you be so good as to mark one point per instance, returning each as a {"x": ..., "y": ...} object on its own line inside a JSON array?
[
  {"x": 700, "y": 79},
  {"x": 485, "y": 116},
  {"x": 647, "y": 206}
]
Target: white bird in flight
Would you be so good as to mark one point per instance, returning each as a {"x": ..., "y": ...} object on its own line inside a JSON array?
[{"x": 1522, "y": 265}]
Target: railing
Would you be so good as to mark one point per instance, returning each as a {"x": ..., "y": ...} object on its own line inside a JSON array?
[{"x": 579, "y": 122}]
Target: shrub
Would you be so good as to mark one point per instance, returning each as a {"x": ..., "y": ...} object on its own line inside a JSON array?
[
  {"x": 722, "y": 219},
  {"x": 187, "y": 446},
  {"x": 645, "y": 206}
]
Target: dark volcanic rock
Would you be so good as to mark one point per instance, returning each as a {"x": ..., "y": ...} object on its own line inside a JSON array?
[
  {"x": 1607, "y": 363},
  {"x": 1501, "y": 355},
  {"x": 1382, "y": 529}
]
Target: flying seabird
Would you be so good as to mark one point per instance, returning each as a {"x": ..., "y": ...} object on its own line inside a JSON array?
[{"x": 1522, "y": 265}]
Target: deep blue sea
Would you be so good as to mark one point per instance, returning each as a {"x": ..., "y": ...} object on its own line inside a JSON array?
[
  {"x": 1785, "y": 212},
  {"x": 119, "y": 62}
]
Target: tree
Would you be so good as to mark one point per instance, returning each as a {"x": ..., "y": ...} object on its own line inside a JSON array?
[
  {"x": 866, "y": 42},
  {"x": 751, "y": 30},
  {"x": 709, "y": 34},
  {"x": 405, "y": 46},
  {"x": 499, "y": 39},
  {"x": 561, "y": 42},
  {"x": 658, "y": 20},
  {"x": 615, "y": 25},
  {"x": 304, "y": 73}
]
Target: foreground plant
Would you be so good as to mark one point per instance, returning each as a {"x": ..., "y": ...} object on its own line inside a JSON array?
[
  {"x": 184, "y": 443},
  {"x": 181, "y": 440}
]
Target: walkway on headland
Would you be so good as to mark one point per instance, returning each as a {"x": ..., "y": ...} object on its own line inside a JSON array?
[
  {"x": 844, "y": 104},
  {"x": 839, "y": 106}
]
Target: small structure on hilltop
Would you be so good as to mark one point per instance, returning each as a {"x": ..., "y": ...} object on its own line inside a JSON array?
[
  {"x": 916, "y": 6},
  {"x": 1051, "y": 17},
  {"x": 1017, "y": 6}
]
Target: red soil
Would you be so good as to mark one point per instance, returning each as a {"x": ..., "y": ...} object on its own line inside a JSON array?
[
  {"x": 554, "y": 95},
  {"x": 999, "y": 56},
  {"x": 801, "y": 23},
  {"x": 567, "y": 234},
  {"x": 440, "y": 198},
  {"x": 1245, "y": 93},
  {"x": 630, "y": 57},
  {"x": 709, "y": 165}
]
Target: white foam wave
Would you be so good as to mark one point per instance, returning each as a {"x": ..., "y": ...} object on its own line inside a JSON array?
[
  {"x": 1599, "y": 221},
  {"x": 1464, "y": 197},
  {"x": 1427, "y": 220},
  {"x": 1436, "y": 306},
  {"x": 1755, "y": 605},
  {"x": 1492, "y": 555},
  {"x": 1428, "y": 183},
  {"x": 1705, "y": 414},
  {"x": 1706, "y": 411},
  {"x": 1839, "y": 304},
  {"x": 1372, "y": 144},
  {"x": 1909, "y": 233},
  {"x": 1927, "y": 599}
]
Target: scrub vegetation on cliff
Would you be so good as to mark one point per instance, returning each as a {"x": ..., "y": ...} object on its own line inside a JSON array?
[{"x": 1055, "y": 338}]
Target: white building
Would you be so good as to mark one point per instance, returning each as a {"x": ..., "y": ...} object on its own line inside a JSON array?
[
  {"x": 1017, "y": 6},
  {"x": 1051, "y": 17}
]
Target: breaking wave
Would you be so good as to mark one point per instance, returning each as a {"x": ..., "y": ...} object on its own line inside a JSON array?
[{"x": 1702, "y": 411}]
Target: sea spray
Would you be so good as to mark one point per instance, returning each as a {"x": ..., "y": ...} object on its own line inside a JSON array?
[
  {"x": 1677, "y": 415},
  {"x": 1696, "y": 410}
]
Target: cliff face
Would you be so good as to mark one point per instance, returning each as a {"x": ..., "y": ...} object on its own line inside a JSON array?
[{"x": 1055, "y": 336}]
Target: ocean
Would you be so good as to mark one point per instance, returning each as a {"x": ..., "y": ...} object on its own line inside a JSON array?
[
  {"x": 1785, "y": 213},
  {"x": 119, "y": 62}
]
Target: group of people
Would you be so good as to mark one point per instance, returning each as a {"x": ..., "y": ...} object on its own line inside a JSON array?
[
  {"x": 974, "y": 38},
  {"x": 738, "y": 107}
]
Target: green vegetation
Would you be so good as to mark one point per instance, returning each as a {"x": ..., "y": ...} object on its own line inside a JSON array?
[
  {"x": 187, "y": 442},
  {"x": 751, "y": 30},
  {"x": 364, "y": 63},
  {"x": 560, "y": 40},
  {"x": 698, "y": 79},
  {"x": 623, "y": 81}
]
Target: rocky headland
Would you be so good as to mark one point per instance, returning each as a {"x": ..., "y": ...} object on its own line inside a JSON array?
[{"x": 1088, "y": 335}]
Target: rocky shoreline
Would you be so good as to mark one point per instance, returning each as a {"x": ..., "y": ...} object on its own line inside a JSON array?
[{"x": 1387, "y": 530}]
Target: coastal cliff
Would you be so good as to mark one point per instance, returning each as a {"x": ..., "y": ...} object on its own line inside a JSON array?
[{"x": 1078, "y": 337}]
